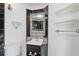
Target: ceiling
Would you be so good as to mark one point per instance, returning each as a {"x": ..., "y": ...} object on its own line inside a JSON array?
[{"x": 35, "y": 4}]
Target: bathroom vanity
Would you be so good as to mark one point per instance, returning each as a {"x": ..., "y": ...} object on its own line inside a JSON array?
[
  {"x": 36, "y": 47},
  {"x": 37, "y": 32}
]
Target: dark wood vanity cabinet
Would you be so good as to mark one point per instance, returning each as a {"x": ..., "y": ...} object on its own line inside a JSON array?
[
  {"x": 2, "y": 51},
  {"x": 35, "y": 50},
  {"x": 32, "y": 49}
]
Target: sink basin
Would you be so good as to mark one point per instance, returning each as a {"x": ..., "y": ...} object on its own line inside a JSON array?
[{"x": 35, "y": 42}]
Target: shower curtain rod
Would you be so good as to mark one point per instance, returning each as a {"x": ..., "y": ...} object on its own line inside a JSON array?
[{"x": 77, "y": 31}]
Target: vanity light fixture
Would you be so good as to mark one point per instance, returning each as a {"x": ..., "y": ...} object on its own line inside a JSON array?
[
  {"x": 10, "y": 6},
  {"x": 39, "y": 16}
]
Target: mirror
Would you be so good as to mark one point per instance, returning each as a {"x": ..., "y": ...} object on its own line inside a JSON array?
[{"x": 37, "y": 25}]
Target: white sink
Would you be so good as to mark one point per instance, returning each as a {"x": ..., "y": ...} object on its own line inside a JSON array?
[{"x": 35, "y": 42}]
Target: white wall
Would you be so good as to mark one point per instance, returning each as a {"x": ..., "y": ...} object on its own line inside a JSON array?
[
  {"x": 60, "y": 44},
  {"x": 34, "y": 6},
  {"x": 15, "y": 37},
  {"x": 54, "y": 45}
]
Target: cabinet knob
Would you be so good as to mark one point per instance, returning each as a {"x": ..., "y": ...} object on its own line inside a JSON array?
[
  {"x": 30, "y": 53},
  {"x": 35, "y": 53}
]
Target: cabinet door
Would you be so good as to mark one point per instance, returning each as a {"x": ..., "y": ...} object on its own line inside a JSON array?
[{"x": 33, "y": 49}]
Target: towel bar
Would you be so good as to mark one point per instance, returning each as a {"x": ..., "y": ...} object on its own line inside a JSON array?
[{"x": 77, "y": 31}]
